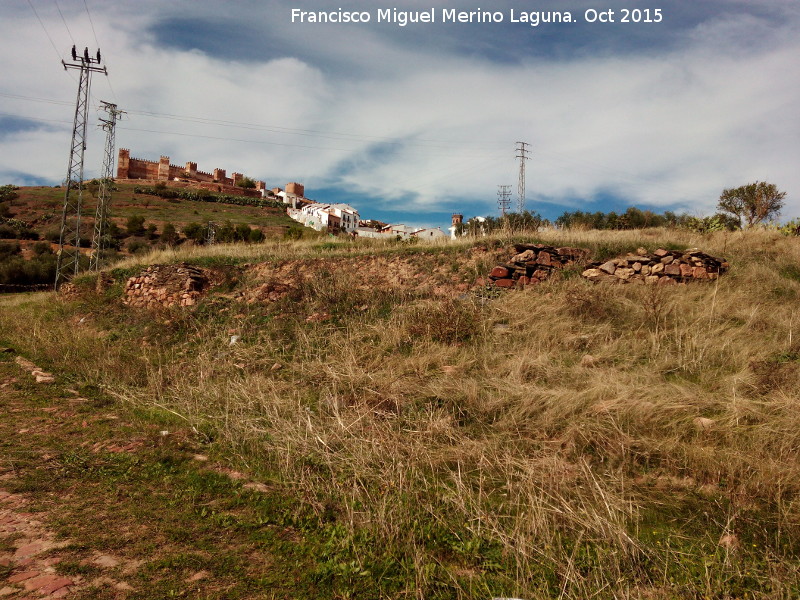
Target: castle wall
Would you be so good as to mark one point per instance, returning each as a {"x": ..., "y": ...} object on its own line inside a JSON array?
[{"x": 163, "y": 171}]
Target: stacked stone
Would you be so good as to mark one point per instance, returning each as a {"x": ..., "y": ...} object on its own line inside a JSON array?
[
  {"x": 166, "y": 286},
  {"x": 534, "y": 263},
  {"x": 662, "y": 267}
]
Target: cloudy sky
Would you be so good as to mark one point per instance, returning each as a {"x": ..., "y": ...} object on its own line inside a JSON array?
[{"x": 412, "y": 123}]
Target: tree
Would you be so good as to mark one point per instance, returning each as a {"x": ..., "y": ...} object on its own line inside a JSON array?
[
  {"x": 135, "y": 225},
  {"x": 246, "y": 183},
  {"x": 169, "y": 235},
  {"x": 752, "y": 203}
]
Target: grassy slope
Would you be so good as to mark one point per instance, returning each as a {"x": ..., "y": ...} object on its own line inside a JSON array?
[
  {"x": 42, "y": 207},
  {"x": 539, "y": 444}
]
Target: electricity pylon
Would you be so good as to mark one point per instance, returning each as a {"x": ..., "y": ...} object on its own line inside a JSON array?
[
  {"x": 104, "y": 193},
  {"x": 503, "y": 198},
  {"x": 69, "y": 239},
  {"x": 522, "y": 155}
]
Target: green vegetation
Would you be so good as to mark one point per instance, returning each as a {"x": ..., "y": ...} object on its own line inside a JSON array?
[
  {"x": 753, "y": 203},
  {"x": 205, "y": 196},
  {"x": 570, "y": 440}
]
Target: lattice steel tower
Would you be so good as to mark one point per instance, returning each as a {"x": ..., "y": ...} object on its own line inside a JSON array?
[
  {"x": 503, "y": 198},
  {"x": 101, "y": 216},
  {"x": 69, "y": 239},
  {"x": 522, "y": 155}
]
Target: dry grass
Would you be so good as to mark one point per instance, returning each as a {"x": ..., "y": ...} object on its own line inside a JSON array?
[{"x": 568, "y": 441}]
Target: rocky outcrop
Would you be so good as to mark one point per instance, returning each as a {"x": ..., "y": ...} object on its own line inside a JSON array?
[{"x": 662, "y": 267}]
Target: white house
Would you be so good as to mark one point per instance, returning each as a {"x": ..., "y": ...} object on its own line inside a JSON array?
[
  {"x": 429, "y": 233},
  {"x": 326, "y": 216}
]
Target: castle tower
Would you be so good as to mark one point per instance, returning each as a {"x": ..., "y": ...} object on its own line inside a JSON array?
[
  {"x": 219, "y": 175},
  {"x": 457, "y": 219},
  {"x": 191, "y": 169},
  {"x": 123, "y": 163},
  {"x": 298, "y": 189},
  {"x": 163, "y": 168}
]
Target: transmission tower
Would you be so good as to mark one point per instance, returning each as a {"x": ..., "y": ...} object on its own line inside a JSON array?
[
  {"x": 106, "y": 180},
  {"x": 522, "y": 155},
  {"x": 211, "y": 234},
  {"x": 503, "y": 198},
  {"x": 68, "y": 259}
]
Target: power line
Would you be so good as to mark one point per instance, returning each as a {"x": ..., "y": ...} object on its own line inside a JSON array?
[
  {"x": 44, "y": 29},
  {"x": 91, "y": 23},
  {"x": 63, "y": 20}
]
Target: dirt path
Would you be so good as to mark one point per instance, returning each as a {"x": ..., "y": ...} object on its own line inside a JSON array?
[{"x": 99, "y": 502}]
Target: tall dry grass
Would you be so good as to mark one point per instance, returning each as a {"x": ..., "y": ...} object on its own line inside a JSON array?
[{"x": 545, "y": 438}]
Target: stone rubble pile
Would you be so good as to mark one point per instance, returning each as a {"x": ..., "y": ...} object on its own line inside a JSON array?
[
  {"x": 164, "y": 286},
  {"x": 534, "y": 263},
  {"x": 662, "y": 267}
]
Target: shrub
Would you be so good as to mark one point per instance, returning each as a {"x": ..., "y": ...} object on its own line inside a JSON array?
[
  {"x": 169, "y": 235},
  {"x": 135, "y": 225},
  {"x": 137, "y": 247},
  {"x": 295, "y": 232},
  {"x": 256, "y": 236},
  {"x": 8, "y": 193}
]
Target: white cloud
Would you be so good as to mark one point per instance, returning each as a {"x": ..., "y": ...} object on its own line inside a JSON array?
[{"x": 659, "y": 127}]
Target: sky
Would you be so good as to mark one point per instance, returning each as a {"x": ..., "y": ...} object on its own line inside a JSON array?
[{"x": 412, "y": 123}]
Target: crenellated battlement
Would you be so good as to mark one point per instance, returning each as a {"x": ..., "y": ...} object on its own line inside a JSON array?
[{"x": 164, "y": 170}]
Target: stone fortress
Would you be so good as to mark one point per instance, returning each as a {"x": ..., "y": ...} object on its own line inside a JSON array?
[{"x": 130, "y": 169}]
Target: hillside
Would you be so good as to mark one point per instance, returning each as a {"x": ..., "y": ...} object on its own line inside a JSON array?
[{"x": 414, "y": 435}]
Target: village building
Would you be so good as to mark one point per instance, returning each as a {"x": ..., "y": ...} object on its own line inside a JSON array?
[{"x": 326, "y": 216}]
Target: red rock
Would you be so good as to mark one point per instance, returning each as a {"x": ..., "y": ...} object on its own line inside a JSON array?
[
  {"x": 55, "y": 584},
  {"x": 666, "y": 281},
  {"x": 499, "y": 273},
  {"x": 661, "y": 252},
  {"x": 23, "y": 576},
  {"x": 505, "y": 283},
  {"x": 699, "y": 273},
  {"x": 544, "y": 258},
  {"x": 541, "y": 274},
  {"x": 523, "y": 281},
  {"x": 686, "y": 270},
  {"x": 672, "y": 269}
]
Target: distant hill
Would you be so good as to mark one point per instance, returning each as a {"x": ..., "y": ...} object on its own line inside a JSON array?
[{"x": 142, "y": 218}]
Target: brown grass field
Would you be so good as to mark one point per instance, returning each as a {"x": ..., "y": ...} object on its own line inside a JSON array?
[{"x": 566, "y": 441}]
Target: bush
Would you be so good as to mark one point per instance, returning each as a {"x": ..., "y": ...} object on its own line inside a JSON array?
[
  {"x": 8, "y": 193},
  {"x": 42, "y": 248},
  {"x": 295, "y": 232},
  {"x": 196, "y": 232},
  {"x": 137, "y": 247},
  {"x": 135, "y": 225},
  {"x": 169, "y": 235}
]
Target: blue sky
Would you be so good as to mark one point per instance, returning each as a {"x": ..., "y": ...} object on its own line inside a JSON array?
[{"x": 414, "y": 123}]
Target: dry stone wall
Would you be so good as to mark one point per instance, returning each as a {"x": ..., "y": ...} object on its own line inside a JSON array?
[
  {"x": 534, "y": 263},
  {"x": 662, "y": 267},
  {"x": 164, "y": 286}
]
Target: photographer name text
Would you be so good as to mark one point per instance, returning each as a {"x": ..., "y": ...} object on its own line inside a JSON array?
[{"x": 534, "y": 18}]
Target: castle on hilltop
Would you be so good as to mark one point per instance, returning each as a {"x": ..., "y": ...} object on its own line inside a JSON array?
[{"x": 162, "y": 171}]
